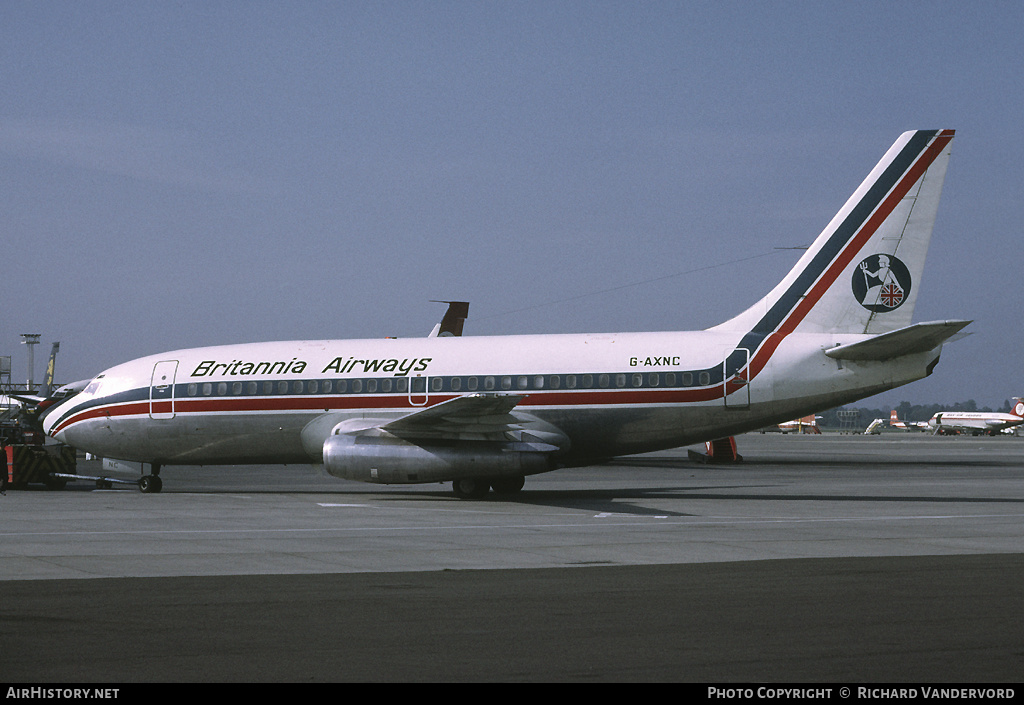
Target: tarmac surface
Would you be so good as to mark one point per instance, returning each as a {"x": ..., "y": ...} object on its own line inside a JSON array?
[{"x": 829, "y": 559}]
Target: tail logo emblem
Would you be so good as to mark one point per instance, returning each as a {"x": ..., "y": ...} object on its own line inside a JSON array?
[{"x": 881, "y": 283}]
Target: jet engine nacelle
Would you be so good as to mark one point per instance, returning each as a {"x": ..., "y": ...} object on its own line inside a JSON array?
[{"x": 389, "y": 460}]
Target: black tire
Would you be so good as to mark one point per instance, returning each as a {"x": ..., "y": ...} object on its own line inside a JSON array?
[
  {"x": 150, "y": 484},
  {"x": 508, "y": 485},
  {"x": 471, "y": 488}
]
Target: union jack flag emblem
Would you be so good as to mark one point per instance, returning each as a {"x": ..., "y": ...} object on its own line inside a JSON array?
[{"x": 891, "y": 295}]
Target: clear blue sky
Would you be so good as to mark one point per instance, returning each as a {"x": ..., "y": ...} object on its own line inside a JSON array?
[{"x": 178, "y": 174}]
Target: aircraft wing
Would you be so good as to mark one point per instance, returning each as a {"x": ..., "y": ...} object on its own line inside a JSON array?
[
  {"x": 918, "y": 338},
  {"x": 476, "y": 417},
  {"x": 29, "y": 399},
  {"x": 1000, "y": 424}
]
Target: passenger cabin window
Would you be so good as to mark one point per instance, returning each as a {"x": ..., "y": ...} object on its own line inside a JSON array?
[{"x": 420, "y": 385}]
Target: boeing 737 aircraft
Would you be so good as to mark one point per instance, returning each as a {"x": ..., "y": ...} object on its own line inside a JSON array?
[
  {"x": 485, "y": 412},
  {"x": 977, "y": 422}
]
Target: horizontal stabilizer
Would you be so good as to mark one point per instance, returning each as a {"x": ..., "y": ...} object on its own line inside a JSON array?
[
  {"x": 31, "y": 399},
  {"x": 918, "y": 338}
]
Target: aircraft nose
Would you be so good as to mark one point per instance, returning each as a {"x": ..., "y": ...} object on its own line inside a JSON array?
[
  {"x": 47, "y": 422},
  {"x": 49, "y": 419}
]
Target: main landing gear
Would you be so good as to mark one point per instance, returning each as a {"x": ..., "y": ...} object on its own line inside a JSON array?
[{"x": 478, "y": 487}]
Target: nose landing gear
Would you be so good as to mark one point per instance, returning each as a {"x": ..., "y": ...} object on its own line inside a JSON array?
[{"x": 151, "y": 484}]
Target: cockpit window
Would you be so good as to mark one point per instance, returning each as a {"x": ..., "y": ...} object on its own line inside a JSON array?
[{"x": 94, "y": 385}]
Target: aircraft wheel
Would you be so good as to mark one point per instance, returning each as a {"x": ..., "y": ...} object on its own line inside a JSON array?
[
  {"x": 470, "y": 488},
  {"x": 508, "y": 485},
  {"x": 150, "y": 484}
]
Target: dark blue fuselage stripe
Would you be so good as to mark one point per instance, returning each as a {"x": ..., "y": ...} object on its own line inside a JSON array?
[{"x": 142, "y": 394}]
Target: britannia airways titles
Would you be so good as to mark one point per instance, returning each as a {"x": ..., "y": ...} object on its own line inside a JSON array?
[
  {"x": 343, "y": 365},
  {"x": 339, "y": 365}
]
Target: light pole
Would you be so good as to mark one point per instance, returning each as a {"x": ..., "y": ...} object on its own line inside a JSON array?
[{"x": 31, "y": 339}]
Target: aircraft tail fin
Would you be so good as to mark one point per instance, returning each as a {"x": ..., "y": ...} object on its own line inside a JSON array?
[
  {"x": 862, "y": 273},
  {"x": 48, "y": 377},
  {"x": 453, "y": 321},
  {"x": 1018, "y": 407}
]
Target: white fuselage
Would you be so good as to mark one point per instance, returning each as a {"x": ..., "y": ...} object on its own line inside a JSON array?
[
  {"x": 610, "y": 394},
  {"x": 975, "y": 421}
]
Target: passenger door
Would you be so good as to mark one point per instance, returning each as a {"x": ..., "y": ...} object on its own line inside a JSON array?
[
  {"x": 161, "y": 390},
  {"x": 736, "y": 373}
]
